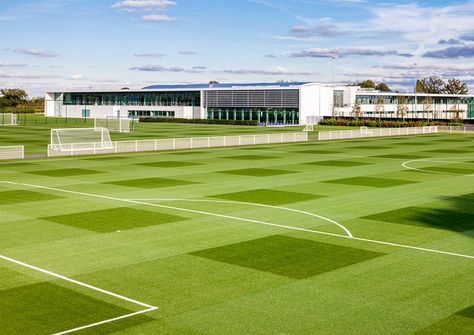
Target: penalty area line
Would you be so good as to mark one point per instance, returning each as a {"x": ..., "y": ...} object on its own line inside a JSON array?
[
  {"x": 404, "y": 246},
  {"x": 148, "y": 308}
]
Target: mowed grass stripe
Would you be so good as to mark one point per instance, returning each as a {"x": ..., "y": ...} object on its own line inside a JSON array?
[
  {"x": 287, "y": 256},
  {"x": 47, "y": 308},
  {"x": 267, "y": 196},
  {"x": 113, "y": 219}
]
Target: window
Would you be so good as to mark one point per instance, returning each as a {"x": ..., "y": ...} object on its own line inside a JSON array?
[{"x": 86, "y": 113}]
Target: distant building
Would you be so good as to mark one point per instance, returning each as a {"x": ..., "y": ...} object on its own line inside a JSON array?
[{"x": 267, "y": 103}]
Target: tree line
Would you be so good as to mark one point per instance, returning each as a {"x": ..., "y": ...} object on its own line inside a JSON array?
[
  {"x": 17, "y": 100},
  {"x": 431, "y": 85}
]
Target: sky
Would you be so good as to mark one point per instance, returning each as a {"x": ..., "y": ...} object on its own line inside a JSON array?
[{"x": 49, "y": 45}]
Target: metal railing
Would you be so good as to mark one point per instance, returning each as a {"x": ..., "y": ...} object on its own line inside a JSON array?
[
  {"x": 74, "y": 149},
  {"x": 371, "y": 132},
  {"x": 456, "y": 129},
  {"x": 12, "y": 152}
]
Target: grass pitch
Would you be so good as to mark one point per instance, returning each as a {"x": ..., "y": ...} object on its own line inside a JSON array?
[{"x": 243, "y": 240}]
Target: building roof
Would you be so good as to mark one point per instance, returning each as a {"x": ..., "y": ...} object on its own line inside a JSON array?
[{"x": 228, "y": 85}]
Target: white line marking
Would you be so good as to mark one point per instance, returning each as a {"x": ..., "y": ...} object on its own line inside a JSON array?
[
  {"x": 406, "y": 166},
  {"x": 148, "y": 307},
  {"x": 257, "y": 205},
  {"x": 106, "y": 321},
  {"x": 242, "y": 219}
]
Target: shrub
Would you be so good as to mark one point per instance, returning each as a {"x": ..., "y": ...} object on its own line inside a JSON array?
[
  {"x": 201, "y": 121},
  {"x": 387, "y": 123}
]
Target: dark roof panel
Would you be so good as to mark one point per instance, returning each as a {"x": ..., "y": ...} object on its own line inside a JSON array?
[{"x": 203, "y": 86}]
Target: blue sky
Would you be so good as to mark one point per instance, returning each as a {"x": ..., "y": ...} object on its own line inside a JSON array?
[{"x": 67, "y": 44}]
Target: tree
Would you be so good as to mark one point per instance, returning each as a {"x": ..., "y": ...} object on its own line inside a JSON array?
[
  {"x": 356, "y": 109},
  {"x": 369, "y": 83},
  {"x": 213, "y": 82},
  {"x": 12, "y": 97},
  {"x": 380, "y": 106},
  {"x": 419, "y": 87},
  {"x": 402, "y": 107},
  {"x": 455, "y": 86},
  {"x": 427, "y": 106},
  {"x": 382, "y": 87},
  {"x": 432, "y": 85}
]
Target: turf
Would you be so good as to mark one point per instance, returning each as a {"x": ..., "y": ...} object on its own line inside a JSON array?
[
  {"x": 287, "y": 256},
  {"x": 371, "y": 182},
  {"x": 169, "y": 164},
  {"x": 427, "y": 217},
  {"x": 114, "y": 219},
  {"x": 17, "y": 197},
  {"x": 214, "y": 266},
  {"x": 338, "y": 163},
  {"x": 256, "y": 172},
  {"x": 65, "y": 172},
  {"x": 151, "y": 183},
  {"x": 249, "y": 157},
  {"x": 267, "y": 197},
  {"x": 69, "y": 308}
]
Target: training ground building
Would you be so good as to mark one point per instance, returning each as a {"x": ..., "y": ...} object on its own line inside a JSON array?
[{"x": 268, "y": 103}]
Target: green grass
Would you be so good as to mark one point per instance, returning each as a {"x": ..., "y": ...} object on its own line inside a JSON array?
[
  {"x": 114, "y": 219},
  {"x": 257, "y": 172},
  {"x": 371, "y": 182},
  {"x": 151, "y": 183},
  {"x": 33, "y": 131},
  {"x": 267, "y": 197},
  {"x": 287, "y": 256},
  {"x": 216, "y": 265}
]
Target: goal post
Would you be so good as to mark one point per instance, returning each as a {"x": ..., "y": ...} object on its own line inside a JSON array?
[
  {"x": 118, "y": 125},
  {"x": 8, "y": 119},
  {"x": 310, "y": 122},
  {"x": 80, "y": 139}
]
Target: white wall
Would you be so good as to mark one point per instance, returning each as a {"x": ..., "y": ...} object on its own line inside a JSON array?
[{"x": 97, "y": 111}]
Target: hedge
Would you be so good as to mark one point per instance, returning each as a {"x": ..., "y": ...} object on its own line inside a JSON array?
[
  {"x": 201, "y": 121},
  {"x": 352, "y": 122}
]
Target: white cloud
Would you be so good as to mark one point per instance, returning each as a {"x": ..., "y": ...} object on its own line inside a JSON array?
[
  {"x": 188, "y": 52},
  {"x": 77, "y": 77},
  {"x": 158, "y": 17},
  {"x": 143, "y": 4},
  {"x": 271, "y": 72},
  {"x": 36, "y": 52},
  {"x": 9, "y": 64},
  {"x": 150, "y": 55}
]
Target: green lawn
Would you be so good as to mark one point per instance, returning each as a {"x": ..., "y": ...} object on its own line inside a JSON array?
[
  {"x": 241, "y": 240},
  {"x": 34, "y": 131}
]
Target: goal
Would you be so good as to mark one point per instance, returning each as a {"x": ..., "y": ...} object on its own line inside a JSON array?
[
  {"x": 310, "y": 122},
  {"x": 8, "y": 119},
  {"x": 117, "y": 125},
  {"x": 80, "y": 139},
  {"x": 309, "y": 127}
]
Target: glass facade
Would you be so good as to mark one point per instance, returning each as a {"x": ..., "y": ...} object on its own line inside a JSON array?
[
  {"x": 262, "y": 115},
  {"x": 134, "y": 114},
  {"x": 191, "y": 98},
  {"x": 338, "y": 98},
  {"x": 410, "y": 99}
]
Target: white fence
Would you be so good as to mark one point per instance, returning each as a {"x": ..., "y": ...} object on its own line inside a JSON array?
[
  {"x": 371, "y": 132},
  {"x": 453, "y": 129},
  {"x": 12, "y": 152},
  {"x": 74, "y": 149}
]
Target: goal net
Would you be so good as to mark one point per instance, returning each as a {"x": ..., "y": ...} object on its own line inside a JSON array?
[
  {"x": 310, "y": 122},
  {"x": 8, "y": 119},
  {"x": 117, "y": 125},
  {"x": 308, "y": 127},
  {"x": 80, "y": 139}
]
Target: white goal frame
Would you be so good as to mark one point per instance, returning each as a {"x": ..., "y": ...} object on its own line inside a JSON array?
[
  {"x": 11, "y": 118},
  {"x": 114, "y": 124},
  {"x": 102, "y": 140}
]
